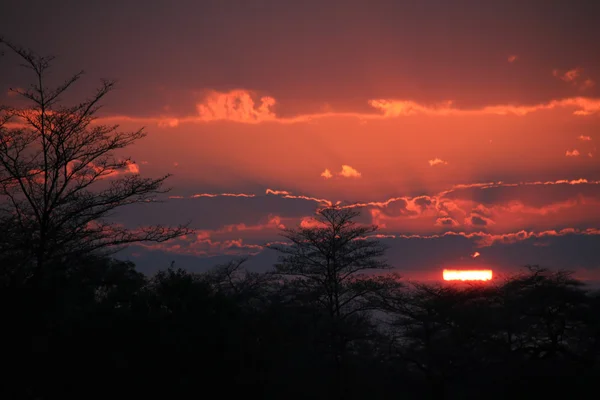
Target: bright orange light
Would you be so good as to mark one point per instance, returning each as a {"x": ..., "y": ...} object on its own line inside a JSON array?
[{"x": 467, "y": 275}]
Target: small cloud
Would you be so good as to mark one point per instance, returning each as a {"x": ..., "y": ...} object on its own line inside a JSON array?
[
  {"x": 585, "y": 138},
  {"x": 573, "y": 153},
  {"x": 512, "y": 58},
  {"x": 437, "y": 161},
  {"x": 326, "y": 174},
  {"x": 349, "y": 172},
  {"x": 478, "y": 221},
  {"x": 176, "y": 164},
  {"x": 309, "y": 223},
  {"x": 573, "y": 76},
  {"x": 568, "y": 76},
  {"x": 475, "y": 255},
  {"x": 587, "y": 84},
  {"x": 590, "y": 155},
  {"x": 133, "y": 168}
]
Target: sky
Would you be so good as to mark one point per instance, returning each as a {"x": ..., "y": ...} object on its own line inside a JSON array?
[{"x": 466, "y": 130}]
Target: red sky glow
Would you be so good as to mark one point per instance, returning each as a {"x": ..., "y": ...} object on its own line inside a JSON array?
[{"x": 469, "y": 137}]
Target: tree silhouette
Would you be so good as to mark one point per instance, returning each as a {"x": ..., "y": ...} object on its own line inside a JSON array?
[
  {"x": 326, "y": 262},
  {"x": 60, "y": 177}
]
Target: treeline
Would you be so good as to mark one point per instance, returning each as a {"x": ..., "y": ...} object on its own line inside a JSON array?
[{"x": 99, "y": 328}]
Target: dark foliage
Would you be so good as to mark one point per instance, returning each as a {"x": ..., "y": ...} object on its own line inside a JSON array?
[{"x": 99, "y": 328}]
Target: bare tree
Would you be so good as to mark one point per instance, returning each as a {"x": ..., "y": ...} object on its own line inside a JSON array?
[{"x": 60, "y": 177}]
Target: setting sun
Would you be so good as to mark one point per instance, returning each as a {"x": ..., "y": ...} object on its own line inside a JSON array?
[{"x": 467, "y": 275}]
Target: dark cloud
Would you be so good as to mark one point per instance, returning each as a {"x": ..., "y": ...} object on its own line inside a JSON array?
[{"x": 478, "y": 221}]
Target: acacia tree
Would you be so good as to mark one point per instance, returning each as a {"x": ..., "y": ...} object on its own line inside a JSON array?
[
  {"x": 326, "y": 262},
  {"x": 60, "y": 177}
]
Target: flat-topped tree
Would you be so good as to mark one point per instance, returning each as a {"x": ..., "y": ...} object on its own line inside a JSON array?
[{"x": 60, "y": 178}]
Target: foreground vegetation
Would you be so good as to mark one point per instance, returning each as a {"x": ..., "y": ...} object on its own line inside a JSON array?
[{"x": 99, "y": 328}]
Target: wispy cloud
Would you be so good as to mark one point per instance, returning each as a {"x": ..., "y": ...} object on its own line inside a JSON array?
[
  {"x": 572, "y": 153},
  {"x": 212, "y": 195},
  {"x": 437, "y": 161},
  {"x": 585, "y": 138},
  {"x": 569, "y": 75},
  {"x": 574, "y": 77},
  {"x": 288, "y": 195},
  {"x": 397, "y": 108},
  {"x": 512, "y": 58},
  {"x": 484, "y": 239}
]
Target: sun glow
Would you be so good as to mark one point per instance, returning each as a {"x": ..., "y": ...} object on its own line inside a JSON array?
[{"x": 467, "y": 275}]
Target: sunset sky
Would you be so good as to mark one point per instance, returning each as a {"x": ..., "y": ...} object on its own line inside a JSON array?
[{"x": 468, "y": 131}]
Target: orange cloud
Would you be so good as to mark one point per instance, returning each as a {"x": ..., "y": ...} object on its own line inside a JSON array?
[
  {"x": 236, "y": 105},
  {"x": 133, "y": 168},
  {"x": 194, "y": 196},
  {"x": 288, "y": 195},
  {"x": 326, "y": 174},
  {"x": 220, "y": 241},
  {"x": 572, "y": 153},
  {"x": 483, "y": 239},
  {"x": 437, "y": 161},
  {"x": 512, "y": 58},
  {"x": 475, "y": 255},
  {"x": 278, "y": 192},
  {"x": 349, "y": 172},
  {"x": 212, "y": 195},
  {"x": 397, "y": 108},
  {"x": 274, "y": 222},
  {"x": 75, "y": 168},
  {"x": 310, "y": 222},
  {"x": 489, "y": 185},
  {"x": 585, "y": 138},
  {"x": 168, "y": 122}
]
